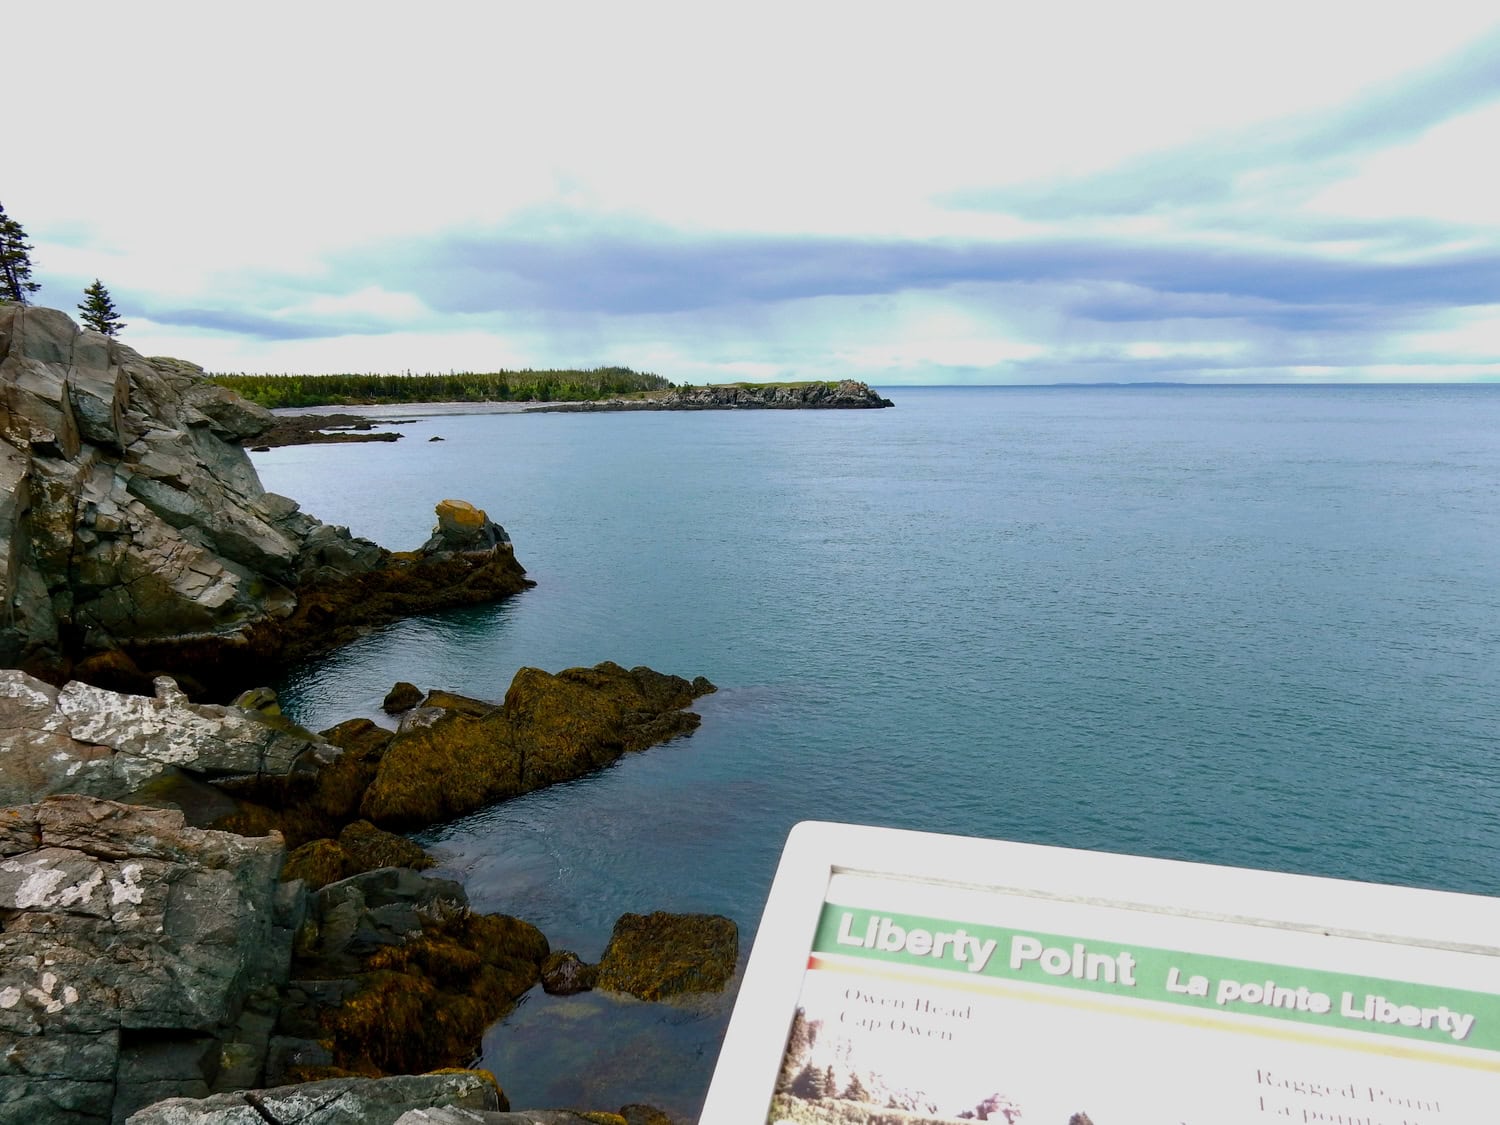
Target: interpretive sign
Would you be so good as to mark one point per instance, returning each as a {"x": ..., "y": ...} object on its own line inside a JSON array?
[{"x": 906, "y": 977}]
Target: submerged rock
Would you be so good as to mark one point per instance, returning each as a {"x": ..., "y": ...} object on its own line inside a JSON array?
[
  {"x": 661, "y": 954},
  {"x": 135, "y": 536}
]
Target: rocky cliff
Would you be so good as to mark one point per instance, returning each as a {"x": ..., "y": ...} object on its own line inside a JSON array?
[{"x": 135, "y": 536}]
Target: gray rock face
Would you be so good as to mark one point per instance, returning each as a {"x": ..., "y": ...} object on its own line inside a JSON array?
[
  {"x": 84, "y": 739},
  {"x": 127, "y": 509},
  {"x": 138, "y": 956},
  {"x": 335, "y": 1101},
  {"x": 135, "y": 534}
]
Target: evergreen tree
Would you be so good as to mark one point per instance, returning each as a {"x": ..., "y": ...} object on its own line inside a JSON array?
[
  {"x": 798, "y": 1047},
  {"x": 99, "y": 312},
  {"x": 855, "y": 1091},
  {"x": 15, "y": 262}
]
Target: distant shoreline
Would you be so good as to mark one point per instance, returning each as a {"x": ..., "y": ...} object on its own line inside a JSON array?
[{"x": 409, "y": 409}]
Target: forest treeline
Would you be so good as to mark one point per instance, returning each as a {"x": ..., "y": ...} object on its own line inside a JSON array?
[{"x": 462, "y": 386}]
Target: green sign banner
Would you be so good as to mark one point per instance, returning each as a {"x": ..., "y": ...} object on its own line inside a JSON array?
[{"x": 1450, "y": 1016}]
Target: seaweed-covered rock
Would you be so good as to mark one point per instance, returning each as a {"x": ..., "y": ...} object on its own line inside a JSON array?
[
  {"x": 360, "y": 847},
  {"x": 660, "y": 954},
  {"x": 334, "y": 1101},
  {"x": 427, "y": 975},
  {"x": 403, "y": 697},
  {"x": 318, "y": 863},
  {"x": 370, "y": 848},
  {"x": 549, "y": 729}
]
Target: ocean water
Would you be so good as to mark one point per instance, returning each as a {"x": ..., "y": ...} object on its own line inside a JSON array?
[{"x": 1247, "y": 625}]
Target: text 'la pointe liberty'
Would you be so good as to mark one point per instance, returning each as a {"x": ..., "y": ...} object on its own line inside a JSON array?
[{"x": 1030, "y": 955}]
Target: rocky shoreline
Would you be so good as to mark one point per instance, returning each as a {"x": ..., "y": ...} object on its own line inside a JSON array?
[
  {"x": 199, "y": 899},
  {"x": 205, "y": 908},
  {"x": 316, "y": 429},
  {"x": 845, "y": 395}
]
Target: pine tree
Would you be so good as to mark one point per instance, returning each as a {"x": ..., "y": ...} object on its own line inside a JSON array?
[
  {"x": 15, "y": 262},
  {"x": 798, "y": 1046},
  {"x": 99, "y": 312}
]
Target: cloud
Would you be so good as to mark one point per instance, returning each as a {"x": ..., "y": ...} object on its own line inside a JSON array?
[
  {"x": 651, "y": 272},
  {"x": 1291, "y": 157},
  {"x": 984, "y": 193}
]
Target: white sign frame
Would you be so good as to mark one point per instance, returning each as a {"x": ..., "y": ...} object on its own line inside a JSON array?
[{"x": 1293, "y": 907}]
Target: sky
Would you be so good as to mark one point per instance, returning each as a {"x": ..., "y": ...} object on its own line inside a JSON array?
[{"x": 944, "y": 193}]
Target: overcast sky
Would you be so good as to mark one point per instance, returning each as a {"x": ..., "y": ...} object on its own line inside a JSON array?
[{"x": 923, "y": 193}]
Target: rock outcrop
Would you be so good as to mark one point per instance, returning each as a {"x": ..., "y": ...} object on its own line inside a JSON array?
[
  {"x": 549, "y": 729},
  {"x": 135, "y": 535},
  {"x": 335, "y": 1101},
  {"x": 139, "y": 958},
  {"x": 454, "y": 755},
  {"x": 845, "y": 395},
  {"x": 89, "y": 740}
]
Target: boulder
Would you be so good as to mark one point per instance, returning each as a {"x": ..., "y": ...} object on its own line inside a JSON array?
[
  {"x": 660, "y": 954},
  {"x": 334, "y": 1101},
  {"x": 138, "y": 957},
  {"x": 132, "y": 522},
  {"x": 84, "y": 739},
  {"x": 402, "y": 697}
]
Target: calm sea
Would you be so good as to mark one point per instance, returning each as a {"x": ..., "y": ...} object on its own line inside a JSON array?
[{"x": 1248, "y": 625}]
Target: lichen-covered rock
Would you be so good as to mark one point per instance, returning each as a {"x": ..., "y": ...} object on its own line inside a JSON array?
[
  {"x": 334, "y": 1101},
  {"x": 660, "y": 954},
  {"x": 465, "y": 528},
  {"x": 549, "y": 729},
  {"x": 132, "y": 522},
  {"x": 137, "y": 955},
  {"x": 84, "y": 739}
]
